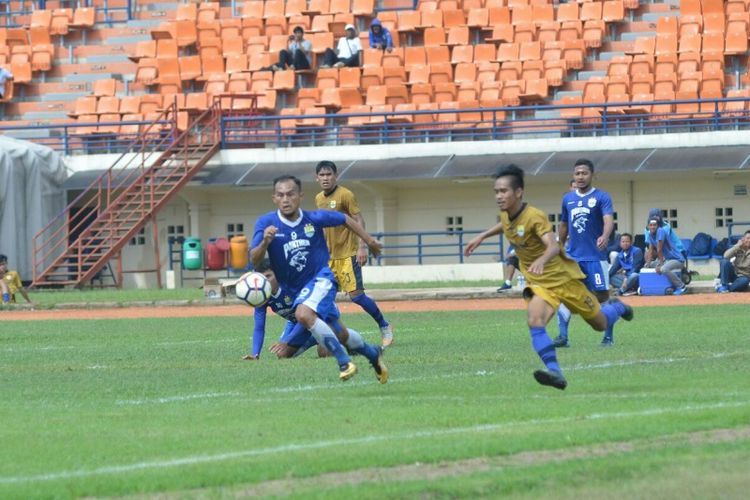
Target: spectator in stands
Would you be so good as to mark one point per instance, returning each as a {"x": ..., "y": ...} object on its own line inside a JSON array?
[
  {"x": 299, "y": 53},
  {"x": 10, "y": 283},
  {"x": 662, "y": 255},
  {"x": 623, "y": 275},
  {"x": 735, "y": 267},
  {"x": 380, "y": 37},
  {"x": 510, "y": 266},
  {"x": 5, "y": 75},
  {"x": 347, "y": 51}
]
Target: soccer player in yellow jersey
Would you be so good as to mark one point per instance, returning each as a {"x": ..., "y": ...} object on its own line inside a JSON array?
[
  {"x": 552, "y": 277},
  {"x": 10, "y": 283},
  {"x": 348, "y": 253}
]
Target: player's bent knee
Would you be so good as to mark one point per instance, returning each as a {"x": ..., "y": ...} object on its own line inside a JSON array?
[
  {"x": 598, "y": 322},
  {"x": 305, "y": 315}
]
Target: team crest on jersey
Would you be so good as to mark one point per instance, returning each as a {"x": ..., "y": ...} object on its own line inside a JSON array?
[
  {"x": 592, "y": 202},
  {"x": 332, "y": 204},
  {"x": 309, "y": 230},
  {"x": 287, "y": 300},
  {"x": 520, "y": 231}
]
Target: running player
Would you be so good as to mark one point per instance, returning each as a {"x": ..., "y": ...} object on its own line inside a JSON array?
[
  {"x": 586, "y": 222},
  {"x": 299, "y": 257},
  {"x": 552, "y": 278},
  {"x": 348, "y": 252}
]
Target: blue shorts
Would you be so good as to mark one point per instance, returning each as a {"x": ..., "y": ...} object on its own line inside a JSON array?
[
  {"x": 597, "y": 275},
  {"x": 319, "y": 294}
]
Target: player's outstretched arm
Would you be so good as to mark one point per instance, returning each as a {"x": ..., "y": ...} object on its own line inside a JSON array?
[
  {"x": 374, "y": 245},
  {"x": 478, "y": 239}
]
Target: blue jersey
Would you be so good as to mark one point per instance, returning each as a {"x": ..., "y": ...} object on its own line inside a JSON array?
[
  {"x": 298, "y": 251},
  {"x": 668, "y": 250},
  {"x": 584, "y": 215}
]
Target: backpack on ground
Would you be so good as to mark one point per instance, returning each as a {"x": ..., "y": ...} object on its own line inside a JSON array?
[{"x": 701, "y": 245}]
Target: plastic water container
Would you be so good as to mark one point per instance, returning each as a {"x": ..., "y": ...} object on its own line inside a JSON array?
[
  {"x": 216, "y": 253},
  {"x": 238, "y": 252},
  {"x": 192, "y": 254}
]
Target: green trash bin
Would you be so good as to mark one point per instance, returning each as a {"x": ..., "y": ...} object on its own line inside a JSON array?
[{"x": 192, "y": 254}]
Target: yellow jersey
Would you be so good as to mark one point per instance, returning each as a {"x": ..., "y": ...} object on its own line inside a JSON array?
[
  {"x": 525, "y": 233},
  {"x": 342, "y": 242},
  {"x": 13, "y": 280}
]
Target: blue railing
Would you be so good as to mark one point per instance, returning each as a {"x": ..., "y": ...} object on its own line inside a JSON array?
[
  {"x": 84, "y": 138},
  {"x": 622, "y": 118},
  {"x": 734, "y": 238},
  {"x": 418, "y": 247},
  {"x": 476, "y": 124}
]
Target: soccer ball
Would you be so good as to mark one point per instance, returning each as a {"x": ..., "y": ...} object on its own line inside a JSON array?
[{"x": 253, "y": 288}]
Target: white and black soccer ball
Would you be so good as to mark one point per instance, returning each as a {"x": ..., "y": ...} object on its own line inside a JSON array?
[{"x": 254, "y": 289}]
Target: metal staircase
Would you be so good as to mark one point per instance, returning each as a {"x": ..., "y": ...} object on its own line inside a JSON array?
[{"x": 95, "y": 227}]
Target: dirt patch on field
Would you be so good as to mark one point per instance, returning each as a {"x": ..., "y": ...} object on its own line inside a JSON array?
[
  {"x": 500, "y": 304},
  {"x": 418, "y": 471}
]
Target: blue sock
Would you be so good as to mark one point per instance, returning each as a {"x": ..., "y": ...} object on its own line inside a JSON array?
[
  {"x": 357, "y": 344},
  {"x": 544, "y": 347},
  {"x": 6, "y": 298},
  {"x": 325, "y": 337},
  {"x": 370, "y": 308},
  {"x": 563, "y": 320},
  {"x": 612, "y": 311}
]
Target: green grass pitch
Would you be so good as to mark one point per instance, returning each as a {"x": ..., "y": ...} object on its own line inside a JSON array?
[{"x": 166, "y": 406}]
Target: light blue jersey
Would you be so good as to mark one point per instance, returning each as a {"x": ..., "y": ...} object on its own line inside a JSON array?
[
  {"x": 668, "y": 250},
  {"x": 298, "y": 252},
  {"x": 584, "y": 216}
]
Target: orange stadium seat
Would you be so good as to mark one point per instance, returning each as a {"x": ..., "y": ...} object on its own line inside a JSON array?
[{"x": 61, "y": 19}]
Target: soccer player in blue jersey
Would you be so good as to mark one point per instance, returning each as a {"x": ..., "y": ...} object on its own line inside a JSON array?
[
  {"x": 586, "y": 221},
  {"x": 299, "y": 257}
]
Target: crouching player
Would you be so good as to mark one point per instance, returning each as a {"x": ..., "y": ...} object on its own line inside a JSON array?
[{"x": 552, "y": 277}]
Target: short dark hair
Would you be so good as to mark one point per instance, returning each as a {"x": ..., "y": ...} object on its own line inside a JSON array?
[
  {"x": 325, "y": 164},
  {"x": 287, "y": 177},
  {"x": 514, "y": 171},
  {"x": 746, "y": 232},
  {"x": 628, "y": 235},
  {"x": 584, "y": 161},
  {"x": 3, "y": 259},
  {"x": 264, "y": 266},
  {"x": 298, "y": 29}
]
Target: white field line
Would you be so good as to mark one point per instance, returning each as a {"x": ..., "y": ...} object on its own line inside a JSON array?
[
  {"x": 101, "y": 346},
  {"x": 290, "y": 448},
  {"x": 657, "y": 361},
  {"x": 175, "y": 399}
]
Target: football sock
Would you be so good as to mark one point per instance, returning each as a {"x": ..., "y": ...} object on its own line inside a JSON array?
[
  {"x": 563, "y": 320},
  {"x": 544, "y": 348},
  {"x": 6, "y": 298},
  {"x": 370, "y": 308},
  {"x": 357, "y": 344},
  {"x": 612, "y": 311},
  {"x": 325, "y": 337},
  {"x": 308, "y": 344}
]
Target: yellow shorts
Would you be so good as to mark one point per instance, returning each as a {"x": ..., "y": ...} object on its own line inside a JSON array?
[
  {"x": 348, "y": 274},
  {"x": 574, "y": 295}
]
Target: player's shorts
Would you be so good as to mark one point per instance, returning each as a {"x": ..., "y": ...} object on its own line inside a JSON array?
[
  {"x": 597, "y": 274},
  {"x": 573, "y": 294},
  {"x": 348, "y": 273},
  {"x": 319, "y": 294}
]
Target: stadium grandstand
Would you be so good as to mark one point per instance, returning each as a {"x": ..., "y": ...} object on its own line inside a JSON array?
[{"x": 172, "y": 121}]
